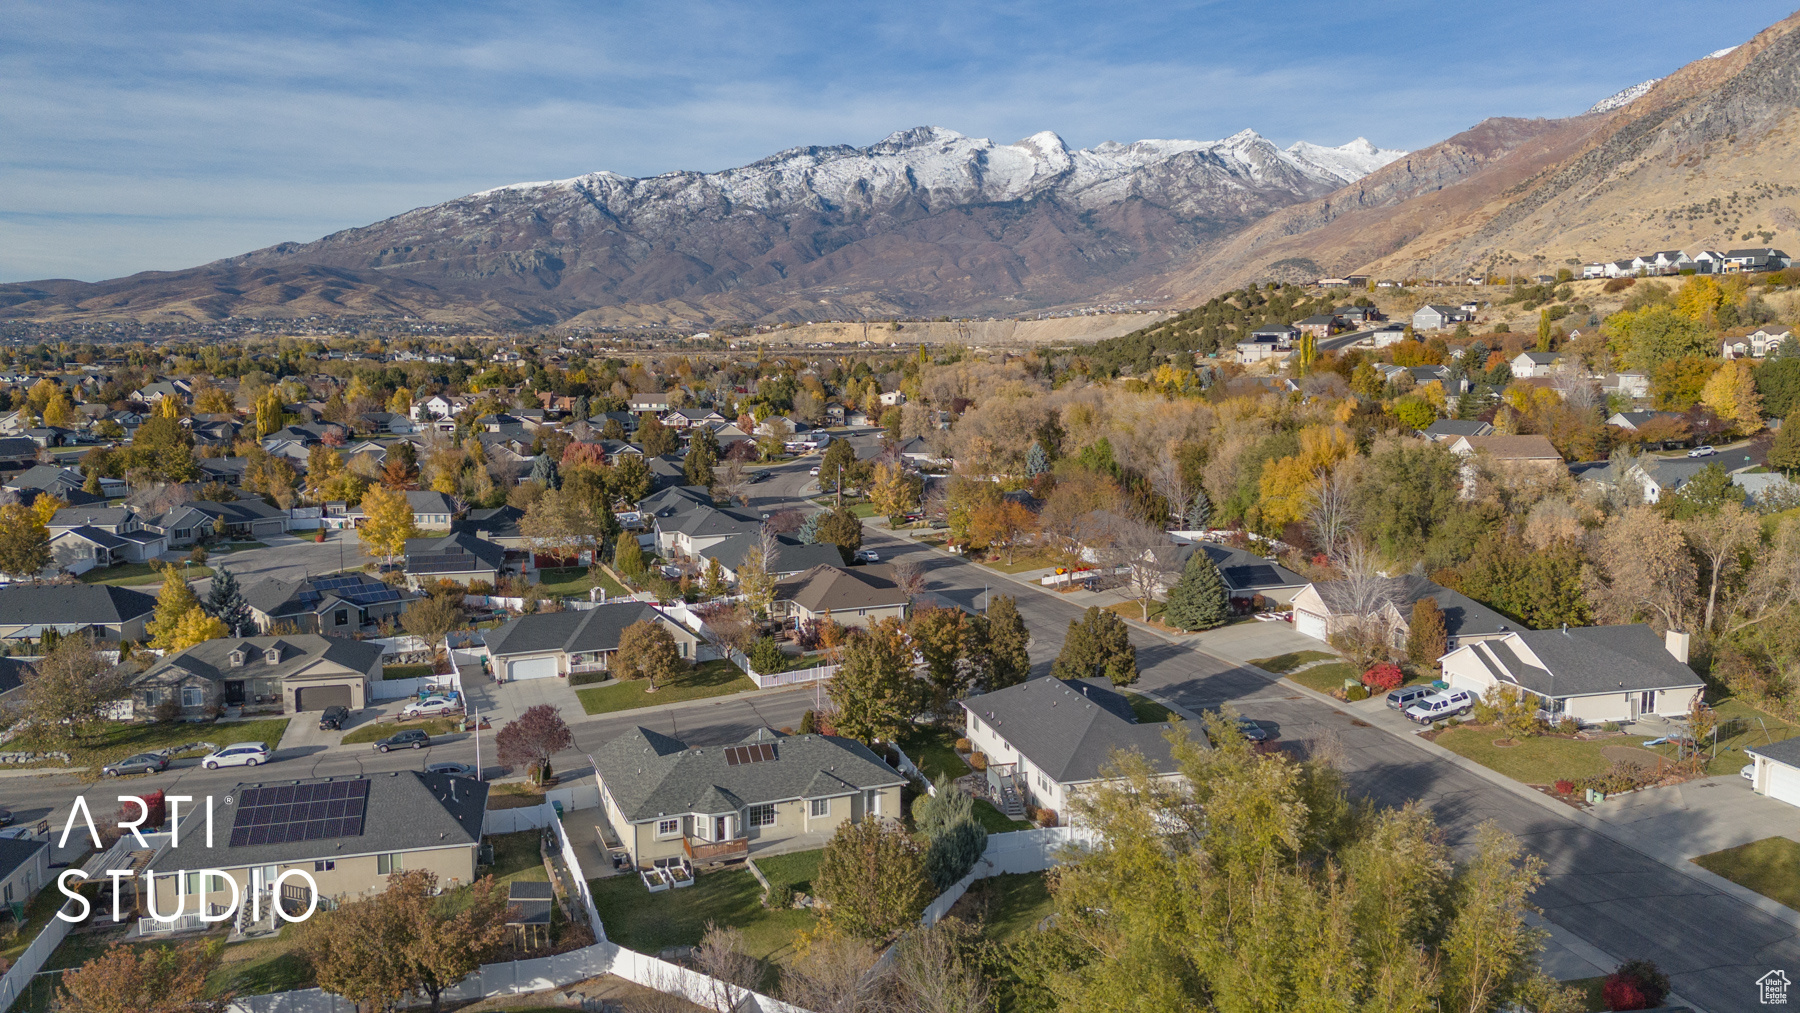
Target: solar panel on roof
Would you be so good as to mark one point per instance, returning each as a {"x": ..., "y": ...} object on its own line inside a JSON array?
[{"x": 299, "y": 812}]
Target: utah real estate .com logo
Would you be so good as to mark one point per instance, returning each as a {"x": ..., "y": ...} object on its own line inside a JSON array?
[{"x": 1772, "y": 988}]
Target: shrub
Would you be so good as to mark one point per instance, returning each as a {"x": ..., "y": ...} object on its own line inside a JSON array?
[
  {"x": 962, "y": 745},
  {"x": 481, "y": 587},
  {"x": 779, "y": 897},
  {"x": 1618, "y": 285},
  {"x": 978, "y": 761},
  {"x": 766, "y": 656},
  {"x": 1045, "y": 817},
  {"x": 1610, "y": 726},
  {"x": 1568, "y": 726},
  {"x": 588, "y": 678},
  {"x": 809, "y": 723},
  {"x": 1383, "y": 677},
  {"x": 1637, "y": 984},
  {"x": 1355, "y": 693},
  {"x": 1565, "y": 787}
]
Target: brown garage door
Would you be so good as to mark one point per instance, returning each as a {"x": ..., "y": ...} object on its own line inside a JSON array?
[{"x": 317, "y": 698}]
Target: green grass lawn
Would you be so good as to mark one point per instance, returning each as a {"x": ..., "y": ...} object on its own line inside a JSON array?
[
  {"x": 1282, "y": 664},
  {"x": 516, "y": 858},
  {"x": 994, "y": 821},
  {"x": 263, "y": 966},
  {"x": 1022, "y": 561},
  {"x": 573, "y": 581},
  {"x": 1134, "y": 610},
  {"x": 1148, "y": 711},
  {"x": 794, "y": 870},
  {"x": 795, "y": 662},
  {"x": 38, "y": 913},
  {"x": 383, "y": 729},
  {"x": 134, "y": 574},
  {"x": 1770, "y": 866},
  {"x": 405, "y": 671},
  {"x": 713, "y": 678},
  {"x": 1325, "y": 678},
  {"x": 1740, "y": 725},
  {"x": 651, "y": 922},
  {"x": 115, "y": 741},
  {"x": 934, "y": 750},
  {"x": 1012, "y": 904}
]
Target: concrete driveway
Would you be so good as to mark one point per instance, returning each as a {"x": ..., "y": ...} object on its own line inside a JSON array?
[{"x": 1700, "y": 817}]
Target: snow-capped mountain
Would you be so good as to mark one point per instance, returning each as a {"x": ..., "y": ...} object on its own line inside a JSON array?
[{"x": 1626, "y": 97}]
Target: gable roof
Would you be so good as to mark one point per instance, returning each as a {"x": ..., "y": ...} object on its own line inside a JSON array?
[
  {"x": 828, "y": 587},
  {"x": 1458, "y": 427},
  {"x": 595, "y": 629},
  {"x": 407, "y": 810},
  {"x": 1513, "y": 448},
  {"x": 1585, "y": 661},
  {"x": 72, "y": 604},
  {"x": 15, "y": 852},
  {"x": 1463, "y": 616},
  {"x": 1242, "y": 571},
  {"x": 650, "y": 775},
  {"x": 462, "y": 552},
  {"x": 428, "y": 502},
  {"x": 1071, "y": 729},
  {"x": 211, "y": 659},
  {"x": 790, "y": 556}
]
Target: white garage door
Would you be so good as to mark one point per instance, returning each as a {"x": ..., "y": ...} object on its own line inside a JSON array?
[
  {"x": 1784, "y": 783},
  {"x": 1310, "y": 625},
  {"x": 535, "y": 668}
]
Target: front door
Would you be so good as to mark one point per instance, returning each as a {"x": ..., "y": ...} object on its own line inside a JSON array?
[
  {"x": 1647, "y": 702},
  {"x": 719, "y": 828},
  {"x": 234, "y": 692}
]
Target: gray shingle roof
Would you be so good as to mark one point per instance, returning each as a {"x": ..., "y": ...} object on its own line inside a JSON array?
[
  {"x": 427, "y": 502},
  {"x": 15, "y": 852},
  {"x": 1463, "y": 616},
  {"x": 69, "y": 604},
  {"x": 651, "y": 775},
  {"x": 835, "y": 588},
  {"x": 1243, "y": 571},
  {"x": 595, "y": 629},
  {"x": 790, "y": 556},
  {"x": 1071, "y": 730},
  {"x": 407, "y": 811},
  {"x": 1587, "y": 660},
  {"x": 458, "y": 553},
  {"x": 1786, "y": 751},
  {"x": 71, "y": 517},
  {"x": 212, "y": 659}
]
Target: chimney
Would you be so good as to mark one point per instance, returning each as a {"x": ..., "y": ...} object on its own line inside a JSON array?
[{"x": 1677, "y": 643}]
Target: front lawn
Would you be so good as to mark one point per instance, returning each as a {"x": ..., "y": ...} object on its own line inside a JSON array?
[
  {"x": 574, "y": 582},
  {"x": 1021, "y": 562},
  {"x": 652, "y": 922},
  {"x": 712, "y": 678},
  {"x": 135, "y": 574},
  {"x": 794, "y": 663},
  {"x": 934, "y": 750},
  {"x": 1325, "y": 678},
  {"x": 1770, "y": 866},
  {"x": 115, "y": 741},
  {"x": 405, "y": 671},
  {"x": 382, "y": 729},
  {"x": 1282, "y": 664},
  {"x": 1134, "y": 610},
  {"x": 1542, "y": 759},
  {"x": 517, "y": 859},
  {"x": 1008, "y": 906}
]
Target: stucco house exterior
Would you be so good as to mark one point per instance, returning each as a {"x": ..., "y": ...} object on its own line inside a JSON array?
[
  {"x": 298, "y": 672},
  {"x": 855, "y": 597},
  {"x": 558, "y": 644},
  {"x": 667, "y": 801},
  {"x": 1593, "y": 674},
  {"x": 1320, "y": 610}
]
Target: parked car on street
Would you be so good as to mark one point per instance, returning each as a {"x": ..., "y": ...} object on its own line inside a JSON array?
[
  {"x": 452, "y": 769},
  {"x": 411, "y": 738},
  {"x": 867, "y": 556},
  {"x": 1702, "y": 451},
  {"x": 137, "y": 763},
  {"x": 1251, "y": 731},
  {"x": 333, "y": 718},
  {"x": 429, "y": 706},
  {"x": 238, "y": 754},
  {"x": 1406, "y": 696},
  {"x": 6, "y": 817},
  {"x": 1441, "y": 706},
  {"x": 815, "y": 472}
]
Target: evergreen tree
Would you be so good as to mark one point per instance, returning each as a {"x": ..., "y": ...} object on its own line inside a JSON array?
[
  {"x": 1037, "y": 461},
  {"x": 702, "y": 456},
  {"x": 1008, "y": 662},
  {"x": 226, "y": 603},
  {"x": 1199, "y": 512},
  {"x": 545, "y": 472},
  {"x": 809, "y": 528},
  {"x": 844, "y": 530},
  {"x": 1468, "y": 405},
  {"x": 1784, "y": 453},
  {"x": 1097, "y": 644},
  {"x": 628, "y": 558},
  {"x": 1199, "y": 600}
]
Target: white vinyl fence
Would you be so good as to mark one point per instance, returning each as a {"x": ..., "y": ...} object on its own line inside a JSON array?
[
  {"x": 1019, "y": 851},
  {"x": 18, "y": 976}
]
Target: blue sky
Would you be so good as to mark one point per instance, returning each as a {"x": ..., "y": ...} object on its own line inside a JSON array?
[{"x": 160, "y": 136}]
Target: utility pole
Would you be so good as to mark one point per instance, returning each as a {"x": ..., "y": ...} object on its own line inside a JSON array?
[{"x": 840, "y": 487}]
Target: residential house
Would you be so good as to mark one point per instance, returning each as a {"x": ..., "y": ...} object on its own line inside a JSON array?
[
  {"x": 556, "y": 644},
  {"x": 24, "y": 869},
  {"x": 1047, "y": 740},
  {"x": 438, "y": 407},
  {"x": 657, "y": 403},
  {"x": 1670, "y": 262},
  {"x": 66, "y": 484},
  {"x": 1320, "y": 326},
  {"x": 628, "y": 422},
  {"x": 1632, "y": 385},
  {"x": 433, "y": 511},
  {"x": 1767, "y": 489},
  {"x": 1593, "y": 271},
  {"x": 384, "y": 423},
  {"x": 1632, "y": 420},
  {"x": 102, "y": 611},
  {"x": 1529, "y": 364},
  {"x": 1247, "y": 576},
  {"x": 789, "y": 557},
  {"x": 1256, "y": 349},
  {"x": 1757, "y": 259},
  {"x": 1655, "y": 476},
  {"x": 499, "y": 525},
  {"x": 669, "y": 802},
  {"x": 687, "y": 533},
  {"x": 1754, "y": 342},
  {"x": 132, "y": 541},
  {"x": 339, "y": 605},
  {"x": 684, "y": 418},
  {"x": 373, "y": 825},
  {"x": 1594, "y": 674},
  {"x": 1450, "y": 430},
  {"x": 297, "y": 671},
  {"x": 1325, "y": 608},
  {"x": 18, "y": 453},
  {"x": 243, "y": 519},
  {"x": 1358, "y": 316},
  {"x": 890, "y": 398},
  {"x": 855, "y": 597},
  {"x": 461, "y": 557},
  {"x": 1709, "y": 262},
  {"x": 1388, "y": 335},
  {"x": 1433, "y": 317},
  {"x": 151, "y": 393},
  {"x": 1511, "y": 452}
]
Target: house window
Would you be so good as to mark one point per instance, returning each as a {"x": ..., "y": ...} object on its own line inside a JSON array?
[
  {"x": 191, "y": 696},
  {"x": 668, "y": 828},
  {"x": 385, "y": 864},
  {"x": 762, "y": 815},
  {"x": 821, "y": 807},
  {"x": 343, "y": 617},
  {"x": 152, "y": 697},
  {"x": 325, "y": 866},
  {"x": 684, "y": 648}
]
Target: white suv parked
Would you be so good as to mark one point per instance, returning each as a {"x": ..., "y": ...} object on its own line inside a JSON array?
[{"x": 1439, "y": 706}]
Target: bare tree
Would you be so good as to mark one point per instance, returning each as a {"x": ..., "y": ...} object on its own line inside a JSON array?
[
  {"x": 734, "y": 973},
  {"x": 1145, "y": 554},
  {"x": 1364, "y": 603},
  {"x": 1330, "y": 518},
  {"x": 834, "y": 976},
  {"x": 932, "y": 977},
  {"x": 909, "y": 577},
  {"x": 1170, "y": 479},
  {"x": 1578, "y": 390},
  {"x": 736, "y": 479}
]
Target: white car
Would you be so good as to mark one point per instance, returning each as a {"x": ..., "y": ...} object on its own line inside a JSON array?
[
  {"x": 1747, "y": 772},
  {"x": 429, "y": 706},
  {"x": 868, "y": 555},
  {"x": 1702, "y": 452},
  {"x": 1439, "y": 706},
  {"x": 238, "y": 754},
  {"x": 814, "y": 473}
]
